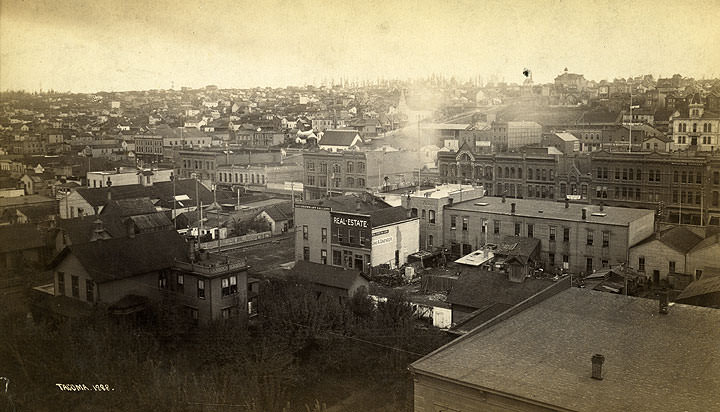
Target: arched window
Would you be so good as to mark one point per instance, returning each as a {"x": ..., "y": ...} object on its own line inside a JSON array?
[
  {"x": 499, "y": 172},
  {"x": 361, "y": 182},
  {"x": 350, "y": 182},
  {"x": 431, "y": 216},
  {"x": 520, "y": 172},
  {"x": 423, "y": 214},
  {"x": 350, "y": 167},
  {"x": 512, "y": 172},
  {"x": 537, "y": 174},
  {"x": 675, "y": 176},
  {"x": 694, "y": 127}
]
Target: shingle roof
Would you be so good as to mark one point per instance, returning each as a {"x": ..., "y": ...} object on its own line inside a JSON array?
[
  {"x": 338, "y": 137},
  {"x": 388, "y": 216},
  {"x": 280, "y": 211},
  {"x": 652, "y": 362},
  {"x": 478, "y": 289},
  {"x": 129, "y": 207},
  {"x": 20, "y": 237},
  {"x": 680, "y": 239},
  {"x": 326, "y": 275},
  {"x": 703, "y": 286},
  {"x": 120, "y": 258},
  {"x": 160, "y": 190}
]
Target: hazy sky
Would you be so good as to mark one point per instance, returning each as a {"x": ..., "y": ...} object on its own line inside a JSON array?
[{"x": 93, "y": 45}]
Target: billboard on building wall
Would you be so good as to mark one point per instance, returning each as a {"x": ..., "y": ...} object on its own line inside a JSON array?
[{"x": 351, "y": 229}]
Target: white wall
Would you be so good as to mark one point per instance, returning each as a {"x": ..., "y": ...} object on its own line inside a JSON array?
[{"x": 404, "y": 236}]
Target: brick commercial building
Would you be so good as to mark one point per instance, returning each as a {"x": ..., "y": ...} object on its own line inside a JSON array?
[
  {"x": 575, "y": 237},
  {"x": 355, "y": 232},
  {"x": 545, "y": 358},
  {"x": 357, "y": 171},
  {"x": 205, "y": 163},
  {"x": 681, "y": 187}
]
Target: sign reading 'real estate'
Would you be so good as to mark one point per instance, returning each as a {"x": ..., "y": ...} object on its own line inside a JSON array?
[{"x": 351, "y": 220}]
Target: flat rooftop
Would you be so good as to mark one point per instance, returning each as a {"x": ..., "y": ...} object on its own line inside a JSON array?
[
  {"x": 548, "y": 209},
  {"x": 652, "y": 362}
]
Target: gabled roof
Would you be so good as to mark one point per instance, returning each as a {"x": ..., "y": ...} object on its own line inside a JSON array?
[
  {"x": 707, "y": 242},
  {"x": 339, "y": 137},
  {"x": 20, "y": 237},
  {"x": 680, "y": 239},
  {"x": 162, "y": 191},
  {"x": 700, "y": 287},
  {"x": 121, "y": 258},
  {"x": 80, "y": 229},
  {"x": 280, "y": 211},
  {"x": 480, "y": 288},
  {"x": 129, "y": 207},
  {"x": 327, "y": 275}
]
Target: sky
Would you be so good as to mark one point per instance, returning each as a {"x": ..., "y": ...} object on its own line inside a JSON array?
[{"x": 110, "y": 45}]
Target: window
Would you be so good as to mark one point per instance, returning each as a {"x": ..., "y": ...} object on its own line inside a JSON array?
[
  {"x": 671, "y": 266},
  {"x": 306, "y": 253},
  {"x": 162, "y": 280},
  {"x": 552, "y": 233},
  {"x": 180, "y": 282},
  {"x": 305, "y": 232},
  {"x": 337, "y": 258},
  {"x": 465, "y": 222},
  {"x": 336, "y": 168},
  {"x": 453, "y": 222},
  {"x": 201, "y": 289},
  {"x": 422, "y": 214},
  {"x": 641, "y": 263},
  {"x": 361, "y": 167},
  {"x": 350, "y": 167},
  {"x": 589, "y": 264},
  {"x": 496, "y": 227},
  {"x": 361, "y": 237},
  {"x": 225, "y": 313},
  {"x": 566, "y": 234},
  {"x": 89, "y": 290},
  {"x": 414, "y": 212},
  {"x": 589, "y": 238},
  {"x": 517, "y": 229},
  {"x": 566, "y": 261},
  {"x": 61, "y": 283},
  {"x": 311, "y": 180},
  {"x": 340, "y": 235},
  {"x": 225, "y": 286},
  {"x": 530, "y": 230},
  {"x": 430, "y": 242},
  {"x": 551, "y": 259},
  {"x": 323, "y": 234},
  {"x": 75, "y": 286},
  {"x": 698, "y": 274},
  {"x": 606, "y": 239},
  {"x": 323, "y": 256},
  {"x": 604, "y": 263}
]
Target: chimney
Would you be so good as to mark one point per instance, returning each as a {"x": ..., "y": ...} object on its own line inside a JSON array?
[
  {"x": 664, "y": 303},
  {"x": 567, "y": 203},
  {"x": 130, "y": 227},
  {"x": 357, "y": 205},
  {"x": 512, "y": 208},
  {"x": 597, "y": 364},
  {"x": 503, "y": 198},
  {"x": 602, "y": 206},
  {"x": 584, "y": 214},
  {"x": 191, "y": 249},
  {"x": 450, "y": 201}
]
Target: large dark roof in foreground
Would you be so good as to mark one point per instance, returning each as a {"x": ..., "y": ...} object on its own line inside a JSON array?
[{"x": 653, "y": 362}]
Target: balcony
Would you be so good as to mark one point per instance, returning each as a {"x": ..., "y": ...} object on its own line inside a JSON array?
[{"x": 213, "y": 266}]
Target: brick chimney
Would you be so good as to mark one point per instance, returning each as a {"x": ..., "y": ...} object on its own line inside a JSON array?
[
  {"x": 567, "y": 203},
  {"x": 597, "y": 364}
]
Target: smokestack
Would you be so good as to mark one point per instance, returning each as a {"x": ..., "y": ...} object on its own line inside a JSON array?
[
  {"x": 567, "y": 203},
  {"x": 512, "y": 208},
  {"x": 597, "y": 364},
  {"x": 664, "y": 303},
  {"x": 602, "y": 206},
  {"x": 584, "y": 214}
]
